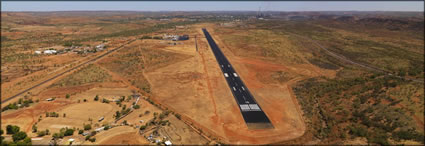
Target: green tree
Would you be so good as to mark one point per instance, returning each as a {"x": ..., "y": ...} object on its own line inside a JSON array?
[
  {"x": 69, "y": 132},
  {"x": 107, "y": 127},
  {"x": 81, "y": 131},
  {"x": 13, "y": 106},
  {"x": 178, "y": 116},
  {"x": 41, "y": 133},
  {"x": 56, "y": 135},
  {"x": 34, "y": 128},
  {"x": 87, "y": 127},
  {"x": 27, "y": 141},
  {"x": 96, "y": 98},
  {"x": 136, "y": 106},
  {"x": 19, "y": 136},
  {"x": 143, "y": 127},
  {"x": 117, "y": 115},
  {"x": 67, "y": 96},
  {"x": 161, "y": 116},
  {"x": 12, "y": 129},
  {"x": 92, "y": 139}
]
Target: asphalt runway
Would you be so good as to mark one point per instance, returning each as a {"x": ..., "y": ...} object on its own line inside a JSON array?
[{"x": 251, "y": 111}]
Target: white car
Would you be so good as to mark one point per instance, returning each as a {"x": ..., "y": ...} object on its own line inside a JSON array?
[
  {"x": 228, "y": 65},
  {"x": 234, "y": 89},
  {"x": 226, "y": 75},
  {"x": 234, "y": 74},
  {"x": 243, "y": 88}
]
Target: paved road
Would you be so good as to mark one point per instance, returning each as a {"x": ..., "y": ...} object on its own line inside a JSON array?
[
  {"x": 251, "y": 111},
  {"x": 60, "y": 74}
]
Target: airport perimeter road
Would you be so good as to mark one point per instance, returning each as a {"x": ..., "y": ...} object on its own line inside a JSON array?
[{"x": 251, "y": 111}]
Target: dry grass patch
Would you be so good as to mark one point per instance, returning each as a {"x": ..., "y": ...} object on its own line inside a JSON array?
[{"x": 88, "y": 74}]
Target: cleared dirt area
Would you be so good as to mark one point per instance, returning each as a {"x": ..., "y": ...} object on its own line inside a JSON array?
[
  {"x": 120, "y": 135},
  {"x": 76, "y": 113},
  {"x": 180, "y": 133},
  {"x": 129, "y": 138}
]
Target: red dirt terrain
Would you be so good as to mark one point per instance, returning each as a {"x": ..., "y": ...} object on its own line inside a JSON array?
[{"x": 196, "y": 88}]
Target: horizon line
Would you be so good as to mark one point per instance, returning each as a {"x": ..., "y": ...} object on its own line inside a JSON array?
[{"x": 210, "y": 11}]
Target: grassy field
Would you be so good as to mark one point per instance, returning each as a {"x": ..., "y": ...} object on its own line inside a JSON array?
[
  {"x": 400, "y": 52},
  {"x": 131, "y": 62},
  {"x": 86, "y": 75},
  {"x": 263, "y": 44}
]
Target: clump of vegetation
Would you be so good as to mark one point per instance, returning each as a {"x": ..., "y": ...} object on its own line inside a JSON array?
[
  {"x": 124, "y": 111},
  {"x": 146, "y": 37},
  {"x": 96, "y": 98},
  {"x": 63, "y": 132},
  {"x": 19, "y": 137},
  {"x": 136, "y": 106},
  {"x": 42, "y": 133},
  {"x": 87, "y": 127},
  {"x": 88, "y": 74},
  {"x": 360, "y": 107},
  {"x": 105, "y": 100},
  {"x": 178, "y": 116},
  {"x": 52, "y": 114},
  {"x": 21, "y": 104}
]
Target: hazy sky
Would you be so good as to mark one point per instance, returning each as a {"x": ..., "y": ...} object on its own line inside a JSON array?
[{"x": 213, "y": 6}]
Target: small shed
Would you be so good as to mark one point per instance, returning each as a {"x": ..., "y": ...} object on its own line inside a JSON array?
[
  {"x": 49, "y": 51},
  {"x": 101, "y": 118},
  {"x": 100, "y": 46},
  {"x": 168, "y": 142},
  {"x": 180, "y": 27},
  {"x": 71, "y": 140},
  {"x": 99, "y": 129},
  {"x": 37, "y": 52}
]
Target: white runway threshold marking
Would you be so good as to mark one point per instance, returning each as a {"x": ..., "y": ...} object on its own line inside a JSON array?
[
  {"x": 254, "y": 107},
  {"x": 250, "y": 107},
  {"x": 245, "y": 107}
]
